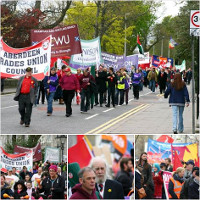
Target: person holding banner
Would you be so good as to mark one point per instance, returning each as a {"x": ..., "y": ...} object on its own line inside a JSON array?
[
  {"x": 50, "y": 85},
  {"x": 179, "y": 97},
  {"x": 175, "y": 184},
  {"x": 69, "y": 84},
  {"x": 25, "y": 94}
]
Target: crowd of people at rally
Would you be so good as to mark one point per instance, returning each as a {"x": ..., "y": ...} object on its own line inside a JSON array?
[
  {"x": 45, "y": 181},
  {"x": 96, "y": 182},
  {"x": 149, "y": 183},
  {"x": 102, "y": 87}
]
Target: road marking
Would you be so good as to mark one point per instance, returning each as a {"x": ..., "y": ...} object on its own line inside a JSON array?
[
  {"x": 8, "y": 107},
  {"x": 92, "y": 116},
  {"x": 116, "y": 119},
  {"x": 145, "y": 94},
  {"x": 3, "y": 95},
  {"x": 108, "y": 110},
  {"x": 130, "y": 100},
  {"x": 160, "y": 95}
]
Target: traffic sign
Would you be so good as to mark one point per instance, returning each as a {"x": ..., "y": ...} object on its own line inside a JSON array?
[{"x": 195, "y": 22}]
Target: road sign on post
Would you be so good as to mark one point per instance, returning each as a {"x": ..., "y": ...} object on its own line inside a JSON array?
[{"x": 195, "y": 22}]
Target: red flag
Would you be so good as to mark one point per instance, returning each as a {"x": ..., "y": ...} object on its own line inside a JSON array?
[
  {"x": 37, "y": 153},
  {"x": 175, "y": 159},
  {"x": 181, "y": 151},
  {"x": 79, "y": 138},
  {"x": 80, "y": 153},
  {"x": 165, "y": 138}
]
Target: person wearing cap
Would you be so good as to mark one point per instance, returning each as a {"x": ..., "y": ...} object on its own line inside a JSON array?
[
  {"x": 188, "y": 171},
  {"x": 10, "y": 178},
  {"x": 26, "y": 94},
  {"x": 50, "y": 85},
  {"x": 69, "y": 84},
  {"x": 54, "y": 185},
  {"x": 189, "y": 181}
]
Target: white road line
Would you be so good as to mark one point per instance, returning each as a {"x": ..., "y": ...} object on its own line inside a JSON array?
[
  {"x": 130, "y": 100},
  {"x": 92, "y": 116},
  {"x": 145, "y": 94},
  {"x": 108, "y": 110},
  {"x": 8, "y": 107}
]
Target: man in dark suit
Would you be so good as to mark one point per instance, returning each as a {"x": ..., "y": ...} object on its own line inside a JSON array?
[{"x": 109, "y": 189}]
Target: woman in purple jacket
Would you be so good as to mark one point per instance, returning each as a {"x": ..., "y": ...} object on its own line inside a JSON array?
[
  {"x": 50, "y": 85},
  {"x": 136, "y": 79}
]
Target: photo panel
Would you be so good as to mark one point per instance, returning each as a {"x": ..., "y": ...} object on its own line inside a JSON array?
[
  {"x": 165, "y": 164},
  {"x": 109, "y": 159},
  {"x": 33, "y": 166}
]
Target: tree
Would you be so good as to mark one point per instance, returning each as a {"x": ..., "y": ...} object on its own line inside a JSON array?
[
  {"x": 19, "y": 19},
  {"x": 29, "y": 141}
]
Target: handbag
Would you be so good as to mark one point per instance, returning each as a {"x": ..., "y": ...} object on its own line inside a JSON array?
[{"x": 141, "y": 193}]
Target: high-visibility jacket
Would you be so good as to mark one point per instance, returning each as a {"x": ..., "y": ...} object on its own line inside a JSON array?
[
  {"x": 177, "y": 188},
  {"x": 121, "y": 86}
]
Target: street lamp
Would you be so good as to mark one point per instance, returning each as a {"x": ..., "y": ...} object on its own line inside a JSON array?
[
  {"x": 62, "y": 144},
  {"x": 125, "y": 34}
]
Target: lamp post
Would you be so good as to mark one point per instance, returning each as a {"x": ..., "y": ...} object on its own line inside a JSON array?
[
  {"x": 62, "y": 144},
  {"x": 125, "y": 34}
]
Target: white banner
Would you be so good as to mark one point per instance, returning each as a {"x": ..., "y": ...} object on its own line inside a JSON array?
[
  {"x": 16, "y": 160},
  {"x": 143, "y": 59},
  {"x": 52, "y": 154},
  {"x": 91, "y": 53},
  {"x": 13, "y": 62}
]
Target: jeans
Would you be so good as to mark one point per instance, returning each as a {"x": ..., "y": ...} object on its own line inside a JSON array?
[
  {"x": 121, "y": 93},
  {"x": 178, "y": 118},
  {"x": 25, "y": 108},
  {"x": 111, "y": 94},
  {"x": 50, "y": 98},
  {"x": 85, "y": 95},
  {"x": 152, "y": 85}
]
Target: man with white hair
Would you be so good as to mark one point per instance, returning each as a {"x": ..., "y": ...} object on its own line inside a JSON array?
[{"x": 109, "y": 189}]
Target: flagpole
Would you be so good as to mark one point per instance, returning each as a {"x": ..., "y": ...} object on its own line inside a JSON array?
[{"x": 168, "y": 52}]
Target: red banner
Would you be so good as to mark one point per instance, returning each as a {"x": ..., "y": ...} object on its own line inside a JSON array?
[
  {"x": 65, "y": 40},
  {"x": 37, "y": 153}
]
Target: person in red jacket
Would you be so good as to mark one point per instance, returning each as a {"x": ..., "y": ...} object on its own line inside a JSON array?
[
  {"x": 69, "y": 84},
  {"x": 158, "y": 181},
  {"x": 86, "y": 188}
]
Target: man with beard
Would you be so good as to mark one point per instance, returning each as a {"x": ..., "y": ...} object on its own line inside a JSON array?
[
  {"x": 86, "y": 188},
  {"x": 109, "y": 189},
  {"x": 125, "y": 176},
  {"x": 145, "y": 169}
]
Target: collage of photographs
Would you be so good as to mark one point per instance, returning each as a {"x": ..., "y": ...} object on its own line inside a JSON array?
[{"x": 100, "y": 99}]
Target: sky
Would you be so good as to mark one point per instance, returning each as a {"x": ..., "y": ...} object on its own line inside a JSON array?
[{"x": 169, "y": 7}]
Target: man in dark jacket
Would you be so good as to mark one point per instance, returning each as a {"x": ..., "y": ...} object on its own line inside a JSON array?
[
  {"x": 145, "y": 168},
  {"x": 112, "y": 80},
  {"x": 25, "y": 95},
  {"x": 24, "y": 172},
  {"x": 162, "y": 80},
  {"x": 54, "y": 185},
  {"x": 100, "y": 78},
  {"x": 193, "y": 189},
  {"x": 86, "y": 188},
  {"x": 184, "y": 190},
  {"x": 125, "y": 176},
  {"x": 108, "y": 189}
]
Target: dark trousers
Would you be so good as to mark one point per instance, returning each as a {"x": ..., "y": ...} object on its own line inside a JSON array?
[
  {"x": 136, "y": 89},
  {"x": 85, "y": 100},
  {"x": 41, "y": 90},
  {"x": 111, "y": 94},
  {"x": 101, "y": 97},
  {"x": 2, "y": 84},
  {"x": 25, "y": 108},
  {"x": 68, "y": 95},
  {"x": 126, "y": 95}
]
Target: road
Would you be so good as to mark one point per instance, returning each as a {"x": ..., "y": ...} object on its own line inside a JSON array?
[{"x": 150, "y": 114}]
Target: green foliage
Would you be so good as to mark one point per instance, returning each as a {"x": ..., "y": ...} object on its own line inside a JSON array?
[{"x": 29, "y": 141}]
